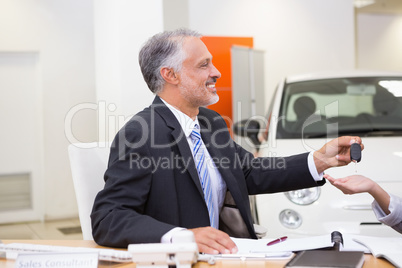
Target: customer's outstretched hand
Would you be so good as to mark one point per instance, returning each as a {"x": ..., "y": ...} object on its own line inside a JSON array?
[
  {"x": 360, "y": 184},
  {"x": 352, "y": 184}
]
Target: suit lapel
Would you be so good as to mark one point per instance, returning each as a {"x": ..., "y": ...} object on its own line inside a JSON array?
[{"x": 179, "y": 137}]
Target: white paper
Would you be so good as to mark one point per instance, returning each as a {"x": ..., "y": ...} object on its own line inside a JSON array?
[{"x": 247, "y": 246}]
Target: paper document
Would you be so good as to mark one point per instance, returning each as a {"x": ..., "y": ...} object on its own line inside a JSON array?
[
  {"x": 247, "y": 246},
  {"x": 389, "y": 248},
  {"x": 262, "y": 255}
]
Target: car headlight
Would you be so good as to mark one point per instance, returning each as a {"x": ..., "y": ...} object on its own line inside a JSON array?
[
  {"x": 290, "y": 218},
  {"x": 304, "y": 196}
]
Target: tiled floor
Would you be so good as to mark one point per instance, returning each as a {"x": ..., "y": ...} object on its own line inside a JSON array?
[{"x": 50, "y": 230}]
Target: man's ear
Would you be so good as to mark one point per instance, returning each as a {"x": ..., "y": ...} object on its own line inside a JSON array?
[{"x": 169, "y": 75}]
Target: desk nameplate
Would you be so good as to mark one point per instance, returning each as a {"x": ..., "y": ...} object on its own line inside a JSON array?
[{"x": 57, "y": 260}]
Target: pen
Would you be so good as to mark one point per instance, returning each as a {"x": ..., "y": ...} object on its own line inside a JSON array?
[{"x": 273, "y": 242}]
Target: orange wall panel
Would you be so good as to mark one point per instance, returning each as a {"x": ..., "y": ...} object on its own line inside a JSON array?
[{"x": 220, "y": 47}]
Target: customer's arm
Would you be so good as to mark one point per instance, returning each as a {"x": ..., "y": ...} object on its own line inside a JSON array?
[{"x": 386, "y": 207}]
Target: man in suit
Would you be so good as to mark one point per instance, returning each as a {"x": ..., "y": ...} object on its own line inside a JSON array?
[{"x": 156, "y": 184}]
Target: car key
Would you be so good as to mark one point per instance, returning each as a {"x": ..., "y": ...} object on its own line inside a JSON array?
[{"x": 355, "y": 152}]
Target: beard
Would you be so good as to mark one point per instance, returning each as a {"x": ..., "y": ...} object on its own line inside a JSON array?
[{"x": 197, "y": 95}]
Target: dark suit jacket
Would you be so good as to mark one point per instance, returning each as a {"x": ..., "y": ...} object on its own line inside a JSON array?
[{"x": 152, "y": 185}]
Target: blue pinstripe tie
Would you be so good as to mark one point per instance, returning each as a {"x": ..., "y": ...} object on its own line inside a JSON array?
[{"x": 201, "y": 164}]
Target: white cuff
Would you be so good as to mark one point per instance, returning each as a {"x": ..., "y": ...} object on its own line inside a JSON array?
[
  {"x": 167, "y": 238},
  {"x": 313, "y": 168}
]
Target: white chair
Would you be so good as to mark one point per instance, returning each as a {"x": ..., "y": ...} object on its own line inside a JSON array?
[{"x": 88, "y": 163}]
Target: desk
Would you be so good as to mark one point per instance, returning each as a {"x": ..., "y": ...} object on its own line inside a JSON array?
[{"x": 370, "y": 261}]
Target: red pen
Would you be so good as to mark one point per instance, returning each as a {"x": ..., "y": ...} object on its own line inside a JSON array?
[{"x": 276, "y": 241}]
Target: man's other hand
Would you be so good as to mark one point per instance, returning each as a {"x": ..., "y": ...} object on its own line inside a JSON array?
[{"x": 213, "y": 241}]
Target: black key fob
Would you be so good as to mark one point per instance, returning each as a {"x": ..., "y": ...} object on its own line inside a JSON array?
[{"x": 355, "y": 152}]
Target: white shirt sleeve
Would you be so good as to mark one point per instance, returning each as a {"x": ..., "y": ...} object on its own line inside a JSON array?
[{"x": 313, "y": 168}]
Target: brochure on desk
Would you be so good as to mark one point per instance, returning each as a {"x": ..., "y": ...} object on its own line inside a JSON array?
[{"x": 389, "y": 248}]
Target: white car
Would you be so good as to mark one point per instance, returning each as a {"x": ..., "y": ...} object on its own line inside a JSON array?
[{"x": 305, "y": 113}]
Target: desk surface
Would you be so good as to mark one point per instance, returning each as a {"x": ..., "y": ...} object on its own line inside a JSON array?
[{"x": 370, "y": 261}]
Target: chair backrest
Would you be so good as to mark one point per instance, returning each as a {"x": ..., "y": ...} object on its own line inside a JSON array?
[{"x": 88, "y": 163}]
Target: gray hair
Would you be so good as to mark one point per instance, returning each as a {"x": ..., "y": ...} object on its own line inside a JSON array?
[{"x": 163, "y": 50}]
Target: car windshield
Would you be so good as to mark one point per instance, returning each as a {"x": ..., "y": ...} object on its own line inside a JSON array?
[{"x": 364, "y": 106}]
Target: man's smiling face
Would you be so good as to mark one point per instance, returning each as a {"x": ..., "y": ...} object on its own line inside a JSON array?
[{"x": 198, "y": 75}]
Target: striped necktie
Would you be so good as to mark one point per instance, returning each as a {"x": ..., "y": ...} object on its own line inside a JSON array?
[{"x": 201, "y": 164}]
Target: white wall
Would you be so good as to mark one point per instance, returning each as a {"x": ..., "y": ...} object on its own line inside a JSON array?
[
  {"x": 379, "y": 42},
  {"x": 21, "y": 137},
  {"x": 175, "y": 14},
  {"x": 61, "y": 34},
  {"x": 121, "y": 28},
  {"x": 297, "y": 36},
  {"x": 64, "y": 34}
]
